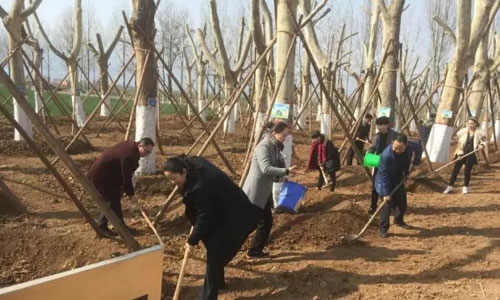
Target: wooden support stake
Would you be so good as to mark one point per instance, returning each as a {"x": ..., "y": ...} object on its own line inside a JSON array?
[{"x": 70, "y": 164}]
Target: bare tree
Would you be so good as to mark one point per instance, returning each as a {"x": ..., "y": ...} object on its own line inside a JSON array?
[
  {"x": 142, "y": 26},
  {"x": 71, "y": 60},
  {"x": 468, "y": 37},
  {"x": 102, "y": 56},
  {"x": 223, "y": 68},
  {"x": 13, "y": 22}
]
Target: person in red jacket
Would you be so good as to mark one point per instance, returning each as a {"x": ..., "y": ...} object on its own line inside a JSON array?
[
  {"x": 324, "y": 154},
  {"x": 112, "y": 173}
]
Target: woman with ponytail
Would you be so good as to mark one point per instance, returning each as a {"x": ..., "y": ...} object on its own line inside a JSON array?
[
  {"x": 267, "y": 167},
  {"x": 219, "y": 211}
]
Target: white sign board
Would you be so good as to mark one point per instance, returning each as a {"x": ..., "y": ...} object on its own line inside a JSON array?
[{"x": 135, "y": 276}]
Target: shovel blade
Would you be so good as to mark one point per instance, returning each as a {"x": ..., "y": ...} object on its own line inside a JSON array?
[{"x": 351, "y": 237}]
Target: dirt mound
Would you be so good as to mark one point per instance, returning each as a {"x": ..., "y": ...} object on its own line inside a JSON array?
[
  {"x": 176, "y": 140},
  {"x": 13, "y": 148},
  {"x": 318, "y": 230},
  {"x": 153, "y": 185}
]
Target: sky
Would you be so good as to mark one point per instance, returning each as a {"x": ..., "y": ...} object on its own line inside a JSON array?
[{"x": 105, "y": 12}]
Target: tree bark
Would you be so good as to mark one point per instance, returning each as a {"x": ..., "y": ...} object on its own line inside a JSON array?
[
  {"x": 391, "y": 20},
  {"x": 143, "y": 32}
]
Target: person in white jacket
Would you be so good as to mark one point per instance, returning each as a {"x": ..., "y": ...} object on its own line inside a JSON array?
[{"x": 469, "y": 139}]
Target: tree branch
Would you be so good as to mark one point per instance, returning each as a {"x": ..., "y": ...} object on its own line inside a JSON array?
[
  {"x": 112, "y": 46},
  {"x": 383, "y": 9},
  {"x": 244, "y": 53},
  {"x": 446, "y": 28},
  {"x": 352, "y": 73},
  {"x": 218, "y": 38},
  {"x": 211, "y": 59},
  {"x": 47, "y": 40},
  {"x": 30, "y": 9},
  {"x": 193, "y": 46},
  {"x": 93, "y": 50},
  {"x": 77, "y": 34},
  {"x": 258, "y": 37},
  {"x": 3, "y": 13}
]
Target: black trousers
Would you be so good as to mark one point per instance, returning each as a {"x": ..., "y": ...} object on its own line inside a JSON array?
[
  {"x": 221, "y": 249},
  {"x": 331, "y": 177},
  {"x": 398, "y": 204},
  {"x": 374, "y": 200},
  {"x": 264, "y": 225},
  {"x": 115, "y": 203},
  {"x": 469, "y": 163},
  {"x": 350, "y": 154}
]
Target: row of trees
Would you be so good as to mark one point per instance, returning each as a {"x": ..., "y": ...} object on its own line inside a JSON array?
[{"x": 389, "y": 73}]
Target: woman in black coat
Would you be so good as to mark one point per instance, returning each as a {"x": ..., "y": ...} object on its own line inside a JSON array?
[{"x": 220, "y": 212}]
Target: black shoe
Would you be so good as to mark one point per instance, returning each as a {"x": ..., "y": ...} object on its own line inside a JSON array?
[
  {"x": 108, "y": 231},
  {"x": 260, "y": 254},
  {"x": 384, "y": 234},
  {"x": 403, "y": 225},
  {"x": 372, "y": 210}
]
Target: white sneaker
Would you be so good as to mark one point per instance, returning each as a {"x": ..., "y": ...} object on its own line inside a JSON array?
[
  {"x": 465, "y": 190},
  {"x": 448, "y": 190}
]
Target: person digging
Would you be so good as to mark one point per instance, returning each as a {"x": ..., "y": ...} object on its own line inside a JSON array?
[
  {"x": 325, "y": 158},
  {"x": 221, "y": 214},
  {"x": 396, "y": 162},
  {"x": 112, "y": 172},
  {"x": 469, "y": 139}
]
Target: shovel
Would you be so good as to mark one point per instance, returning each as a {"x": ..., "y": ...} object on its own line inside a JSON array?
[
  {"x": 446, "y": 165},
  {"x": 351, "y": 236},
  {"x": 147, "y": 219}
]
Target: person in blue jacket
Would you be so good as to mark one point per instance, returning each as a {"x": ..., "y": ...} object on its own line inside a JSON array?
[{"x": 396, "y": 161}]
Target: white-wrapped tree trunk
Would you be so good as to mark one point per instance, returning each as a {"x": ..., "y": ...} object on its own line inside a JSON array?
[
  {"x": 143, "y": 30},
  {"x": 13, "y": 21},
  {"x": 76, "y": 102}
]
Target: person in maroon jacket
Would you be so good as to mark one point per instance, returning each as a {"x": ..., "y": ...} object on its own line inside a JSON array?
[{"x": 112, "y": 173}]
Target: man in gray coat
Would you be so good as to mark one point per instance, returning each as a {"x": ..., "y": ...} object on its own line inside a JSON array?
[{"x": 268, "y": 166}]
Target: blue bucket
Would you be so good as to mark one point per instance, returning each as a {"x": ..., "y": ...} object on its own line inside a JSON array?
[{"x": 290, "y": 194}]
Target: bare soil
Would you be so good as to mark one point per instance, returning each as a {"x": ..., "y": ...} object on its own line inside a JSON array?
[{"x": 453, "y": 252}]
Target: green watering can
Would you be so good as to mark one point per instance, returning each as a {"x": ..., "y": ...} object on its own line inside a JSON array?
[{"x": 371, "y": 160}]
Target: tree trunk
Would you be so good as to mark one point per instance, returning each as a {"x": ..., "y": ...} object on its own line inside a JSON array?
[
  {"x": 143, "y": 30},
  {"x": 78, "y": 111},
  {"x": 390, "y": 39},
  {"x": 38, "y": 83},
  {"x": 200, "y": 68},
  {"x": 104, "y": 83},
  {"x": 230, "y": 122},
  {"x": 16, "y": 68},
  {"x": 370, "y": 51},
  {"x": 286, "y": 10},
  {"x": 306, "y": 90},
  {"x": 478, "y": 92},
  {"x": 326, "y": 125},
  {"x": 189, "y": 80}
]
